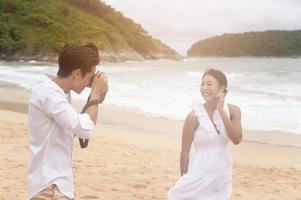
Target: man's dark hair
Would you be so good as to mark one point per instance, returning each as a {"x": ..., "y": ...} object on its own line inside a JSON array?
[
  {"x": 219, "y": 76},
  {"x": 74, "y": 56}
]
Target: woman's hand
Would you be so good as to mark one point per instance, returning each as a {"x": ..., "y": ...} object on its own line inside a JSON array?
[{"x": 220, "y": 101}]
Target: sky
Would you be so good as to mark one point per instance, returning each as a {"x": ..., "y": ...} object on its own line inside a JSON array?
[{"x": 180, "y": 23}]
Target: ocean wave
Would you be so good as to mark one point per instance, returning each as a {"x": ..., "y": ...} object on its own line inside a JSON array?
[{"x": 268, "y": 96}]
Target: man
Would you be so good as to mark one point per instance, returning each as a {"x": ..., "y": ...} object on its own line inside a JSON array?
[{"x": 53, "y": 122}]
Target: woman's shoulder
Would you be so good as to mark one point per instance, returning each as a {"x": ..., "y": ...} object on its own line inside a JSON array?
[
  {"x": 233, "y": 106},
  {"x": 192, "y": 118},
  {"x": 191, "y": 115}
]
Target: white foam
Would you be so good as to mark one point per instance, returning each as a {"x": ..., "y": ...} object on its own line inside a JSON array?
[
  {"x": 268, "y": 100},
  {"x": 193, "y": 74}
]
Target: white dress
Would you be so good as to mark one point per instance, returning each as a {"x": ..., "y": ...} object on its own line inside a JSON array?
[{"x": 209, "y": 175}]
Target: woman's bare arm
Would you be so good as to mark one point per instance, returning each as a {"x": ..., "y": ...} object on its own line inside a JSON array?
[
  {"x": 190, "y": 125},
  {"x": 233, "y": 124}
]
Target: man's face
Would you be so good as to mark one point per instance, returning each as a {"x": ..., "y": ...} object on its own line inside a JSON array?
[{"x": 80, "y": 81}]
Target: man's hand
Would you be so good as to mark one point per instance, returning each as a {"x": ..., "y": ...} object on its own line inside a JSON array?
[{"x": 99, "y": 85}]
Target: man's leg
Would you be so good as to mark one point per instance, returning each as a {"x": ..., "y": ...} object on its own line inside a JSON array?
[
  {"x": 58, "y": 195},
  {"x": 46, "y": 194},
  {"x": 51, "y": 193}
]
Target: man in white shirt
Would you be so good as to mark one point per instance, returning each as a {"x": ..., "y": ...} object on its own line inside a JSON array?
[{"x": 53, "y": 123}]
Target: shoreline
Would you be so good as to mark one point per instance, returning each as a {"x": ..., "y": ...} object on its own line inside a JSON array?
[
  {"x": 107, "y": 56},
  {"x": 130, "y": 162},
  {"x": 129, "y": 118},
  {"x": 111, "y": 57}
]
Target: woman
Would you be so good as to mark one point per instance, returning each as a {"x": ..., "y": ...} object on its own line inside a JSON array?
[{"x": 208, "y": 174}]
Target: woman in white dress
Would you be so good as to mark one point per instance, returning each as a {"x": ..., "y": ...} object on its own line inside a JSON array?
[{"x": 207, "y": 175}]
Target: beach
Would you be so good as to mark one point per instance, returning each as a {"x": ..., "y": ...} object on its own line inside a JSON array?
[
  {"x": 131, "y": 156},
  {"x": 192, "y": 56}
]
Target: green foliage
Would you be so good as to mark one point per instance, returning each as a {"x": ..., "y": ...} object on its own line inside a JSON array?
[
  {"x": 267, "y": 43},
  {"x": 31, "y": 27}
]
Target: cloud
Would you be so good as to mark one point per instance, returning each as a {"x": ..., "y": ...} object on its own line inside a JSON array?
[{"x": 180, "y": 23}]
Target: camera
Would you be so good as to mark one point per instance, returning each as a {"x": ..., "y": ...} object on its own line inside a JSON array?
[{"x": 102, "y": 96}]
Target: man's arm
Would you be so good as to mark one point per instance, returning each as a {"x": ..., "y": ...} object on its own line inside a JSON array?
[
  {"x": 99, "y": 87},
  {"x": 58, "y": 108}
]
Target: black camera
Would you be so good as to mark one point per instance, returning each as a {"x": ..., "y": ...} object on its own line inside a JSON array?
[{"x": 102, "y": 96}]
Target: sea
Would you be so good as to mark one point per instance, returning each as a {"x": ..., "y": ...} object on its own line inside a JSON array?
[{"x": 267, "y": 90}]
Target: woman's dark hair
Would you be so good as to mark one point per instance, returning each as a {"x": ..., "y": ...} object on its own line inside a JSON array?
[
  {"x": 219, "y": 76},
  {"x": 74, "y": 56}
]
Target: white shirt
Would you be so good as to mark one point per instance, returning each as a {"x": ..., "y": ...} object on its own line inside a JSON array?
[{"x": 53, "y": 123}]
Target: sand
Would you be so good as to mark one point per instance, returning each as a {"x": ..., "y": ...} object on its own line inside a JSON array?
[{"x": 125, "y": 161}]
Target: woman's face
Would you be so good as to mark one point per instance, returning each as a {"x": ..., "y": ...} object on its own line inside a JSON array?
[{"x": 210, "y": 88}]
